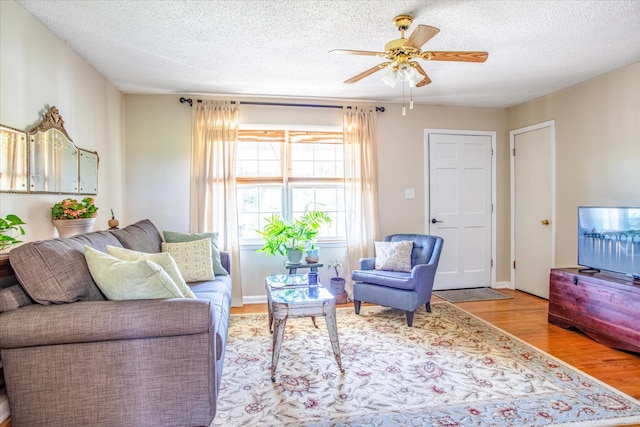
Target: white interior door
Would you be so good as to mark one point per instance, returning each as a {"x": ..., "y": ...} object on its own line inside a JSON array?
[
  {"x": 460, "y": 207},
  {"x": 532, "y": 216}
]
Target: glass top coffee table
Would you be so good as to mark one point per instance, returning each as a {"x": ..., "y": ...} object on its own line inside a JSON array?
[{"x": 289, "y": 295}]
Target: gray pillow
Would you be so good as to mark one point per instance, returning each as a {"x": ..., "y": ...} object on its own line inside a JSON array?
[{"x": 177, "y": 237}]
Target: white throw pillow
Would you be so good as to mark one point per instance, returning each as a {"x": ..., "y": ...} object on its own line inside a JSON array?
[
  {"x": 126, "y": 280},
  {"x": 193, "y": 259},
  {"x": 393, "y": 256},
  {"x": 163, "y": 259}
]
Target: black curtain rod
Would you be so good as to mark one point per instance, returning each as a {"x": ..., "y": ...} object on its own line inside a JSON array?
[{"x": 277, "y": 104}]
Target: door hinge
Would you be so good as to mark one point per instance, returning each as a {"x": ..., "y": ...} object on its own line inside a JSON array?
[
  {"x": 491, "y": 207},
  {"x": 491, "y": 151},
  {"x": 514, "y": 151},
  {"x": 514, "y": 265},
  {"x": 492, "y": 263}
]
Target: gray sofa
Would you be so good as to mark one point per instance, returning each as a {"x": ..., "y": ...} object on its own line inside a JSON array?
[{"x": 73, "y": 358}]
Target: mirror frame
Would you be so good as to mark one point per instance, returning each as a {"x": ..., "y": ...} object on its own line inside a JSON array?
[{"x": 83, "y": 180}]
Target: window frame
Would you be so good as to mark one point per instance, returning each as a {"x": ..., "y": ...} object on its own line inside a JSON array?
[{"x": 285, "y": 181}]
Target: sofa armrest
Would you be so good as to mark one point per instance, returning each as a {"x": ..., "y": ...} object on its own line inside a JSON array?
[
  {"x": 93, "y": 321},
  {"x": 367, "y": 263}
]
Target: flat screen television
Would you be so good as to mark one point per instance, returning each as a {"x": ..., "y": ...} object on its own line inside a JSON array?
[{"x": 609, "y": 239}]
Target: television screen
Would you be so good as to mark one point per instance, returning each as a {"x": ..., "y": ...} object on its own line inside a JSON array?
[{"x": 609, "y": 239}]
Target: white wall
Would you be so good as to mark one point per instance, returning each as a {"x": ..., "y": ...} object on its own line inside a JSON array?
[
  {"x": 38, "y": 71},
  {"x": 597, "y": 147},
  {"x": 157, "y": 151}
]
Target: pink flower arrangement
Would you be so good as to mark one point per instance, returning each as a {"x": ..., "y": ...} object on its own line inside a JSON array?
[{"x": 72, "y": 209}]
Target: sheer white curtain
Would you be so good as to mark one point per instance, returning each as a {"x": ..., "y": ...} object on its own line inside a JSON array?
[
  {"x": 361, "y": 186},
  {"x": 213, "y": 185}
]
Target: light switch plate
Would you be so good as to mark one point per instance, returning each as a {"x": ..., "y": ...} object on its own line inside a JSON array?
[{"x": 409, "y": 193}]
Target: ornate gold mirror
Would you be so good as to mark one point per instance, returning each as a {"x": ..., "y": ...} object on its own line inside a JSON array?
[{"x": 45, "y": 160}]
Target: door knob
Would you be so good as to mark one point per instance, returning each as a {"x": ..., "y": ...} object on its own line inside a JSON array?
[
  {"x": 433, "y": 221},
  {"x": 544, "y": 222}
]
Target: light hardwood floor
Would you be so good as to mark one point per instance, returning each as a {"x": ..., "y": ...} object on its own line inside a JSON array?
[{"x": 525, "y": 316}]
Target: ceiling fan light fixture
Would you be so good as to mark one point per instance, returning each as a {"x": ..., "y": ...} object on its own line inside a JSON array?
[
  {"x": 390, "y": 77},
  {"x": 405, "y": 72}
]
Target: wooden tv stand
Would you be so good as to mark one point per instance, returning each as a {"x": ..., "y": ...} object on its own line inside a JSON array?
[{"x": 604, "y": 306}]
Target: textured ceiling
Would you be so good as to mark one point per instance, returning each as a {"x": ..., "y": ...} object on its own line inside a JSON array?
[{"x": 280, "y": 47}]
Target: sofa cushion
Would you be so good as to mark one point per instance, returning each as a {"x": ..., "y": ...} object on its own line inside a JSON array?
[
  {"x": 163, "y": 259},
  {"x": 127, "y": 280},
  {"x": 193, "y": 259},
  {"x": 176, "y": 237},
  {"x": 141, "y": 236},
  {"x": 55, "y": 271},
  {"x": 393, "y": 256},
  {"x": 12, "y": 298}
]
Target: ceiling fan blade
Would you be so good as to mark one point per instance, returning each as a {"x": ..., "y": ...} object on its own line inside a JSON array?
[
  {"x": 357, "y": 52},
  {"x": 421, "y": 35},
  {"x": 368, "y": 72},
  {"x": 456, "y": 56},
  {"x": 426, "y": 79}
]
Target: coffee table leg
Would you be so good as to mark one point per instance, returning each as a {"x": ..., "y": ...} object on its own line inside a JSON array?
[
  {"x": 332, "y": 327},
  {"x": 278, "y": 335}
]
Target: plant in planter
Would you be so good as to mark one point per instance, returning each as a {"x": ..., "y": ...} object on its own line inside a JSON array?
[
  {"x": 290, "y": 237},
  {"x": 312, "y": 254},
  {"x": 11, "y": 224},
  {"x": 337, "y": 283},
  {"x": 72, "y": 217}
]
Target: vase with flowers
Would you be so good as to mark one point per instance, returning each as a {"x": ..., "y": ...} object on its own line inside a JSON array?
[{"x": 72, "y": 217}]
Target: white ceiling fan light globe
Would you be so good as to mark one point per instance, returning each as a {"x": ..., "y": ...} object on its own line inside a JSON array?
[
  {"x": 405, "y": 72},
  {"x": 390, "y": 77}
]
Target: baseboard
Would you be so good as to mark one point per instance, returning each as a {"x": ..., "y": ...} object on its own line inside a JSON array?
[
  {"x": 503, "y": 285},
  {"x": 255, "y": 299}
]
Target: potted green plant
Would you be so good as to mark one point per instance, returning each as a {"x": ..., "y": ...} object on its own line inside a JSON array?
[
  {"x": 11, "y": 224},
  {"x": 290, "y": 237},
  {"x": 337, "y": 283}
]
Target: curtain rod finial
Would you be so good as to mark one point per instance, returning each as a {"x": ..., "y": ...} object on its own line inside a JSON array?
[{"x": 187, "y": 100}]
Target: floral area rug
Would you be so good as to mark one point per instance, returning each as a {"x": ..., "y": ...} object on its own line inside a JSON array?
[{"x": 449, "y": 369}]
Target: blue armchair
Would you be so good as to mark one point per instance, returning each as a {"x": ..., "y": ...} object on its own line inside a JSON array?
[{"x": 402, "y": 290}]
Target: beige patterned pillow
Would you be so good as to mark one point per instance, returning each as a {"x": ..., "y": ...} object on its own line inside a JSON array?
[
  {"x": 193, "y": 259},
  {"x": 393, "y": 256}
]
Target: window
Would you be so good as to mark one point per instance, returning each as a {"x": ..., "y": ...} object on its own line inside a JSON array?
[{"x": 284, "y": 171}]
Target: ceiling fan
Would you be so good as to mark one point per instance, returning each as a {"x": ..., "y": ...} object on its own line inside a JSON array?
[{"x": 401, "y": 54}]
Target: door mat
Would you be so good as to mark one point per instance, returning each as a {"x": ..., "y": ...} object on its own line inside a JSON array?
[{"x": 473, "y": 294}]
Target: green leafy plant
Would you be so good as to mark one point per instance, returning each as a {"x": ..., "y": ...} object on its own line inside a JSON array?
[
  {"x": 279, "y": 235},
  {"x": 72, "y": 209},
  {"x": 10, "y": 224},
  {"x": 336, "y": 265}
]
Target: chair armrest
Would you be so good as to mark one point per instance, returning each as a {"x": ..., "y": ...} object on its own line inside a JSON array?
[
  {"x": 93, "y": 321},
  {"x": 421, "y": 271},
  {"x": 367, "y": 263}
]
